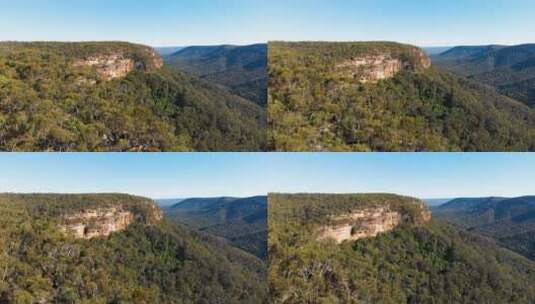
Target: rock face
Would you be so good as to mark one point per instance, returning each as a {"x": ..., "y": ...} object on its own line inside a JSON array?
[
  {"x": 95, "y": 223},
  {"x": 373, "y": 68},
  {"x": 366, "y": 223},
  {"x": 90, "y": 224},
  {"x": 118, "y": 65}
]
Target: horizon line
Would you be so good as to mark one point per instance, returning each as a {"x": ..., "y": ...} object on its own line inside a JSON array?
[
  {"x": 243, "y": 43},
  {"x": 157, "y": 197}
]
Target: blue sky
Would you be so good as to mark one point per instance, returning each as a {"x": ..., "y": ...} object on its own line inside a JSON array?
[
  {"x": 164, "y": 175},
  {"x": 195, "y": 22}
]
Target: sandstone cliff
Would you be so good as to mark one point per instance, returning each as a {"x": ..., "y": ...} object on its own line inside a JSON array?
[
  {"x": 111, "y": 64},
  {"x": 371, "y": 221},
  {"x": 102, "y": 222},
  {"x": 376, "y": 66}
]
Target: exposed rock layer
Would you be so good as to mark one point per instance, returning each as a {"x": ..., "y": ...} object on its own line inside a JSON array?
[
  {"x": 118, "y": 65},
  {"x": 102, "y": 222},
  {"x": 368, "y": 222},
  {"x": 375, "y": 67}
]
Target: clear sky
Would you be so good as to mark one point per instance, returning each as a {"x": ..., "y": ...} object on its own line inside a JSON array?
[
  {"x": 196, "y": 22},
  {"x": 162, "y": 175}
]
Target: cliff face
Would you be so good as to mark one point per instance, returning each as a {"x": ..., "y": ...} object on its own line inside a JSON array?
[
  {"x": 102, "y": 222},
  {"x": 369, "y": 222},
  {"x": 375, "y": 67},
  {"x": 118, "y": 64}
]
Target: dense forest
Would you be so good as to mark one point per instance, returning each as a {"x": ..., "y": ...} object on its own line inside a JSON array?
[
  {"x": 510, "y": 69},
  {"x": 51, "y": 102},
  {"x": 431, "y": 262},
  {"x": 241, "y": 69},
  {"x": 242, "y": 221},
  {"x": 149, "y": 262},
  {"x": 314, "y": 106},
  {"x": 510, "y": 221}
]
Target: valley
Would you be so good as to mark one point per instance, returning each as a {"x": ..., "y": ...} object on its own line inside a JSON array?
[
  {"x": 116, "y": 248},
  {"x": 240, "y": 69},
  {"x": 509, "y": 221},
  {"x": 241, "y": 221},
  {"x": 386, "y": 96},
  {"x": 509, "y": 69},
  {"x": 393, "y": 251},
  {"x": 116, "y": 96}
]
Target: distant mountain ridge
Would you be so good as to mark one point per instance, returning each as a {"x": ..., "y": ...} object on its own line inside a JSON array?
[
  {"x": 510, "y": 69},
  {"x": 150, "y": 260},
  {"x": 384, "y": 96},
  {"x": 116, "y": 96},
  {"x": 242, "y": 69},
  {"x": 436, "y": 201},
  {"x": 422, "y": 261},
  {"x": 434, "y": 50},
  {"x": 243, "y": 221},
  {"x": 511, "y": 221},
  {"x": 168, "y": 50}
]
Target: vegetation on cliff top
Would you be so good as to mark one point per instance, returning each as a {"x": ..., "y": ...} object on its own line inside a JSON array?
[
  {"x": 49, "y": 103},
  {"x": 313, "y": 108},
  {"x": 159, "y": 263},
  {"x": 429, "y": 263}
]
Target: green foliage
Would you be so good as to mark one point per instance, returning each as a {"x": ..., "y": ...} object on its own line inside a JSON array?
[
  {"x": 415, "y": 263},
  {"x": 146, "y": 263},
  {"x": 242, "y": 69},
  {"x": 510, "y": 221},
  {"x": 317, "y": 208},
  {"x": 312, "y": 107},
  {"x": 49, "y": 103},
  {"x": 510, "y": 69},
  {"x": 242, "y": 221}
]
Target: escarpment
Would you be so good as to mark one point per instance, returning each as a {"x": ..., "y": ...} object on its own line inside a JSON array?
[
  {"x": 117, "y": 64},
  {"x": 89, "y": 223},
  {"x": 94, "y": 223},
  {"x": 369, "y": 222},
  {"x": 375, "y": 66}
]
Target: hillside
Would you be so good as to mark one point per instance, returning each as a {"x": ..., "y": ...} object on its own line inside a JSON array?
[
  {"x": 382, "y": 96},
  {"x": 242, "y": 221},
  {"x": 114, "y": 96},
  {"x": 391, "y": 252},
  {"x": 241, "y": 69},
  {"x": 510, "y": 221},
  {"x": 510, "y": 69},
  {"x": 143, "y": 259}
]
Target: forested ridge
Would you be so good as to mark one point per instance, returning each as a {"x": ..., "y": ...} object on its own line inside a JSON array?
[
  {"x": 241, "y": 69},
  {"x": 313, "y": 107},
  {"x": 510, "y": 221},
  {"x": 510, "y": 69},
  {"x": 155, "y": 262},
  {"x": 242, "y": 221},
  {"x": 431, "y": 262},
  {"x": 50, "y": 102}
]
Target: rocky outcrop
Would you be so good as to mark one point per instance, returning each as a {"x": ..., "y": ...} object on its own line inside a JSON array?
[
  {"x": 102, "y": 222},
  {"x": 90, "y": 224},
  {"x": 155, "y": 214},
  {"x": 367, "y": 223},
  {"x": 117, "y": 65},
  {"x": 375, "y": 67}
]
